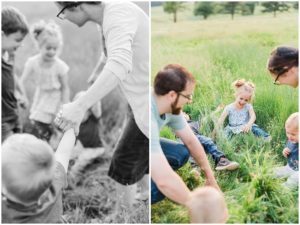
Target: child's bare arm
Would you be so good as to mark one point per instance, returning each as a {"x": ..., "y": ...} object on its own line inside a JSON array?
[
  {"x": 65, "y": 91},
  {"x": 219, "y": 123},
  {"x": 65, "y": 147},
  {"x": 252, "y": 119}
]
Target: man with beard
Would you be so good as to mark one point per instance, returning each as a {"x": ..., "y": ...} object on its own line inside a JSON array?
[{"x": 173, "y": 88}]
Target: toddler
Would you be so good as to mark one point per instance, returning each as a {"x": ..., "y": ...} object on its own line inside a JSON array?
[
  {"x": 90, "y": 145},
  {"x": 14, "y": 29},
  {"x": 240, "y": 113},
  {"x": 50, "y": 75},
  {"x": 33, "y": 178},
  {"x": 291, "y": 153},
  {"x": 207, "y": 205}
]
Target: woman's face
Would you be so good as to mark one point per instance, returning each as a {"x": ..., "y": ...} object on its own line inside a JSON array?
[
  {"x": 288, "y": 78},
  {"x": 74, "y": 14}
]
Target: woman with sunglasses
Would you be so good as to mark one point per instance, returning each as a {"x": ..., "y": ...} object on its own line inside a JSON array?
[
  {"x": 283, "y": 66},
  {"x": 124, "y": 30}
]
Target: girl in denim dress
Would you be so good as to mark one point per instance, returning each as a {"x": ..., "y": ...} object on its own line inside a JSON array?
[{"x": 240, "y": 113}]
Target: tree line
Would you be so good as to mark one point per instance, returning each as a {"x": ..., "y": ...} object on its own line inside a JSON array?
[{"x": 206, "y": 9}]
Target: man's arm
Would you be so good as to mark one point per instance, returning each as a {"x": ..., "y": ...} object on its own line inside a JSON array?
[
  {"x": 198, "y": 153},
  {"x": 65, "y": 147},
  {"x": 167, "y": 181}
]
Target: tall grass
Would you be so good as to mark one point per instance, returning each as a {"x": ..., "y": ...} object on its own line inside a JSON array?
[{"x": 219, "y": 51}]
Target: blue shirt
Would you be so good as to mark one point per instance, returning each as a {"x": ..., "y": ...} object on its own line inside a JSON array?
[
  {"x": 293, "y": 158},
  {"x": 175, "y": 122}
]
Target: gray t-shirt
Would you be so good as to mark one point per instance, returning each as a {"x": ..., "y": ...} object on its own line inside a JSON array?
[
  {"x": 49, "y": 210},
  {"x": 175, "y": 122}
]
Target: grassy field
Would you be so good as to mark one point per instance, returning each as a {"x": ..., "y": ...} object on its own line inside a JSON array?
[
  {"x": 93, "y": 199},
  {"x": 218, "y": 51}
]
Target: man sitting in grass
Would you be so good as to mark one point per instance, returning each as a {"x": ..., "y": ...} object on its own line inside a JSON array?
[
  {"x": 221, "y": 162},
  {"x": 173, "y": 88}
]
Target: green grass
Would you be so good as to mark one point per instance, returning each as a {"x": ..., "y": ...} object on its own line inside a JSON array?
[{"x": 217, "y": 52}]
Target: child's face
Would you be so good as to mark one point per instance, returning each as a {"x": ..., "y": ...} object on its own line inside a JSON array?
[
  {"x": 49, "y": 48},
  {"x": 292, "y": 133},
  {"x": 242, "y": 98},
  {"x": 11, "y": 42}
]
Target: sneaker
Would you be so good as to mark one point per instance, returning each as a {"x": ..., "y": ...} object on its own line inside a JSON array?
[{"x": 225, "y": 164}]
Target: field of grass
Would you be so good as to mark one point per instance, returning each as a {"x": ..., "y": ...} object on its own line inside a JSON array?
[
  {"x": 93, "y": 199},
  {"x": 218, "y": 51}
]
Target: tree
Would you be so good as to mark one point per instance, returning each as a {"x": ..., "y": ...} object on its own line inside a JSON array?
[
  {"x": 203, "y": 8},
  {"x": 248, "y": 8},
  {"x": 231, "y": 8},
  {"x": 275, "y": 7},
  {"x": 174, "y": 8}
]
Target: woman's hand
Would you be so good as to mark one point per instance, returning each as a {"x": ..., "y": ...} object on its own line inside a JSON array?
[
  {"x": 247, "y": 128},
  {"x": 286, "y": 152},
  {"x": 70, "y": 116}
]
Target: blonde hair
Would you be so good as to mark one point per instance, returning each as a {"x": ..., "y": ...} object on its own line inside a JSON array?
[
  {"x": 27, "y": 167},
  {"x": 293, "y": 121},
  {"x": 42, "y": 30},
  {"x": 206, "y": 205},
  {"x": 243, "y": 85}
]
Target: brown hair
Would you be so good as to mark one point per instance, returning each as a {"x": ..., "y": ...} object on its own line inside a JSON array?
[
  {"x": 282, "y": 58},
  {"x": 172, "y": 77},
  {"x": 13, "y": 21}
]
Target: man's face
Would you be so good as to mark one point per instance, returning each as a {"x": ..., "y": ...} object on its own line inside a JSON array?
[
  {"x": 11, "y": 42},
  {"x": 183, "y": 98}
]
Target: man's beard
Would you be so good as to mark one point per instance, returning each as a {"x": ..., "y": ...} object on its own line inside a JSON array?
[{"x": 175, "y": 110}]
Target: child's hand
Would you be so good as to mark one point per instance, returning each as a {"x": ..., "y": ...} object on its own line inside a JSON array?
[
  {"x": 247, "y": 128},
  {"x": 286, "y": 152}
]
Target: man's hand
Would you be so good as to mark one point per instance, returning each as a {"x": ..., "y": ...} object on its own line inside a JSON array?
[
  {"x": 212, "y": 183},
  {"x": 70, "y": 116},
  {"x": 286, "y": 152}
]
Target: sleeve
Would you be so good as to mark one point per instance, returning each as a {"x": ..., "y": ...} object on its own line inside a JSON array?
[
  {"x": 177, "y": 122},
  {"x": 155, "y": 143},
  {"x": 227, "y": 108},
  {"x": 119, "y": 28},
  {"x": 63, "y": 68}
]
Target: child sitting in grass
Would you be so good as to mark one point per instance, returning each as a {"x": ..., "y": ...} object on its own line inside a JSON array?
[
  {"x": 221, "y": 162},
  {"x": 90, "y": 145},
  {"x": 33, "y": 178},
  {"x": 291, "y": 170},
  {"x": 207, "y": 205},
  {"x": 241, "y": 113}
]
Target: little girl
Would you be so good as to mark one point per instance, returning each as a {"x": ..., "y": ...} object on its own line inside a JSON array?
[
  {"x": 241, "y": 113},
  {"x": 50, "y": 76}
]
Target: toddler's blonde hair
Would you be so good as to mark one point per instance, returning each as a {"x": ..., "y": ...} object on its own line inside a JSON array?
[
  {"x": 243, "y": 85},
  {"x": 43, "y": 30},
  {"x": 27, "y": 167},
  {"x": 293, "y": 121},
  {"x": 207, "y": 205}
]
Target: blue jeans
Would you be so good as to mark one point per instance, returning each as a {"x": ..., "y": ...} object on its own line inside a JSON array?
[
  {"x": 255, "y": 130},
  {"x": 210, "y": 148},
  {"x": 177, "y": 155}
]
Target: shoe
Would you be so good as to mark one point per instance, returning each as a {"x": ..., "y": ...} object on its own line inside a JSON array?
[
  {"x": 225, "y": 164},
  {"x": 268, "y": 139}
]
